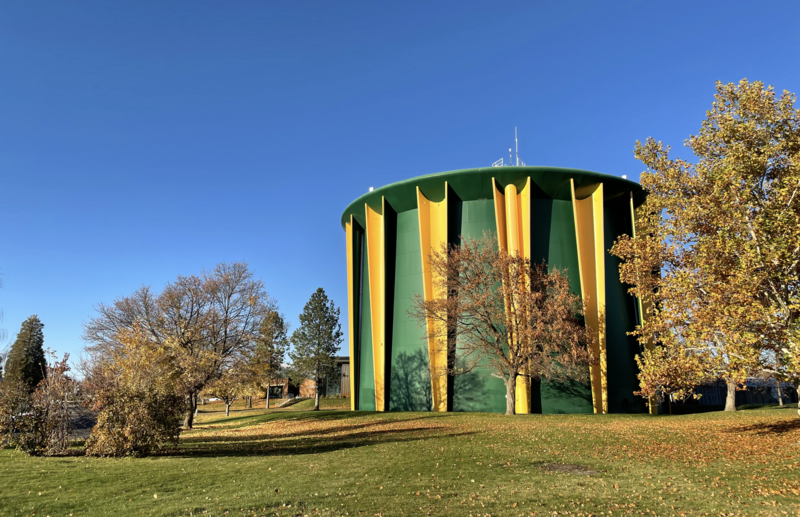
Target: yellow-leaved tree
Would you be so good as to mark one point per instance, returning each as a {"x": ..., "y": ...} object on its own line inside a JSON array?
[
  {"x": 716, "y": 255},
  {"x": 135, "y": 389}
]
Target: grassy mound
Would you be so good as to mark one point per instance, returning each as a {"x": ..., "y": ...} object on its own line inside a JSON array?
[{"x": 297, "y": 462}]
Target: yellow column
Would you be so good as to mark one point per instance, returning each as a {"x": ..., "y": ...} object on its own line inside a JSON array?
[
  {"x": 524, "y": 204},
  {"x": 433, "y": 237},
  {"x": 644, "y": 308},
  {"x": 513, "y": 215},
  {"x": 375, "y": 265},
  {"x": 351, "y": 309},
  {"x": 588, "y": 213}
]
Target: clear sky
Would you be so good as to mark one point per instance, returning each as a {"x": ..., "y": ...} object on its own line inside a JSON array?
[{"x": 143, "y": 140}]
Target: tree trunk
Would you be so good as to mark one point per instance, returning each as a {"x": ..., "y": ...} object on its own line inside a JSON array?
[
  {"x": 669, "y": 403},
  {"x": 249, "y": 402},
  {"x": 780, "y": 393},
  {"x": 316, "y": 393},
  {"x": 511, "y": 393},
  {"x": 227, "y": 409},
  {"x": 202, "y": 401},
  {"x": 267, "y": 397},
  {"x": 798, "y": 400},
  {"x": 189, "y": 420},
  {"x": 730, "y": 400}
]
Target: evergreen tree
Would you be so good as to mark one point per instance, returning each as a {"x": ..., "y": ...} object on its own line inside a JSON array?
[
  {"x": 26, "y": 362},
  {"x": 271, "y": 345},
  {"x": 317, "y": 340}
]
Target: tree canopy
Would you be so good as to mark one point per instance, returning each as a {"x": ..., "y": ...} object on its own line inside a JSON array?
[
  {"x": 26, "y": 361},
  {"x": 206, "y": 323},
  {"x": 716, "y": 255}
]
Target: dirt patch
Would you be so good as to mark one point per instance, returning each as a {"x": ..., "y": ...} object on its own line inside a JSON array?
[{"x": 568, "y": 468}]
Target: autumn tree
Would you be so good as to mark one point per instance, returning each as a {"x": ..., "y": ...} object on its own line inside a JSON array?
[
  {"x": 38, "y": 423},
  {"x": 205, "y": 323},
  {"x": 502, "y": 312},
  {"x": 698, "y": 315},
  {"x": 26, "y": 362},
  {"x": 270, "y": 351},
  {"x": 135, "y": 390},
  {"x": 722, "y": 232},
  {"x": 233, "y": 384},
  {"x": 667, "y": 373},
  {"x": 317, "y": 340}
]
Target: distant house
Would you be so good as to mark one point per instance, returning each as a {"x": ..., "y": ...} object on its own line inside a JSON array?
[
  {"x": 338, "y": 386},
  {"x": 281, "y": 389}
]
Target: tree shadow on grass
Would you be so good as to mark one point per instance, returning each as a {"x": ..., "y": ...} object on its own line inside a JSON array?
[
  {"x": 774, "y": 428},
  {"x": 302, "y": 443},
  {"x": 202, "y": 438},
  {"x": 284, "y": 415},
  {"x": 343, "y": 433},
  {"x": 765, "y": 407},
  {"x": 332, "y": 414}
]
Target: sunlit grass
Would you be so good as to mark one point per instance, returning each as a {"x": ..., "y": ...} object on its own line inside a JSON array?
[{"x": 297, "y": 462}]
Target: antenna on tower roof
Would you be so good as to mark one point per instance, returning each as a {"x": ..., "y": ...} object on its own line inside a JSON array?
[{"x": 511, "y": 162}]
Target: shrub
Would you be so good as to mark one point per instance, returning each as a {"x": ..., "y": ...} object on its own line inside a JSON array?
[
  {"x": 135, "y": 390},
  {"x": 135, "y": 423}
]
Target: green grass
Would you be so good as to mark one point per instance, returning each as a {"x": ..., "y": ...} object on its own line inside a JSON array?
[
  {"x": 296, "y": 462},
  {"x": 332, "y": 403}
]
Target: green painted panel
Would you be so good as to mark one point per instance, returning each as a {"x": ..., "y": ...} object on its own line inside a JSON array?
[
  {"x": 366, "y": 377},
  {"x": 620, "y": 319},
  {"x": 563, "y": 245},
  {"x": 541, "y": 228},
  {"x": 410, "y": 373},
  {"x": 562, "y": 254},
  {"x": 478, "y": 390}
]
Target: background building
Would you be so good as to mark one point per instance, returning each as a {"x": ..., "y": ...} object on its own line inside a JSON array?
[{"x": 568, "y": 218}]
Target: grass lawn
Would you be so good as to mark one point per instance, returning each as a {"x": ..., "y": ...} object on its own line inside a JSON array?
[{"x": 296, "y": 462}]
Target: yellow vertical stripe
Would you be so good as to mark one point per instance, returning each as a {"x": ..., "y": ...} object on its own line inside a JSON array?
[
  {"x": 523, "y": 389},
  {"x": 513, "y": 219},
  {"x": 600, "y": 272},
  {"x": 512, "y": 213},
  {"x": 433, "y": 238},
  {"x": 351, "y": 312},
  {"x": 375, "y": 265},
  {"x": 588, "y": 215},
  {"x": 525, "y": 219}
]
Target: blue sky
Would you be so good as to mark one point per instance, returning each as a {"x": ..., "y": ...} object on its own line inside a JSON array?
[{"x": 143, "y": 140}]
